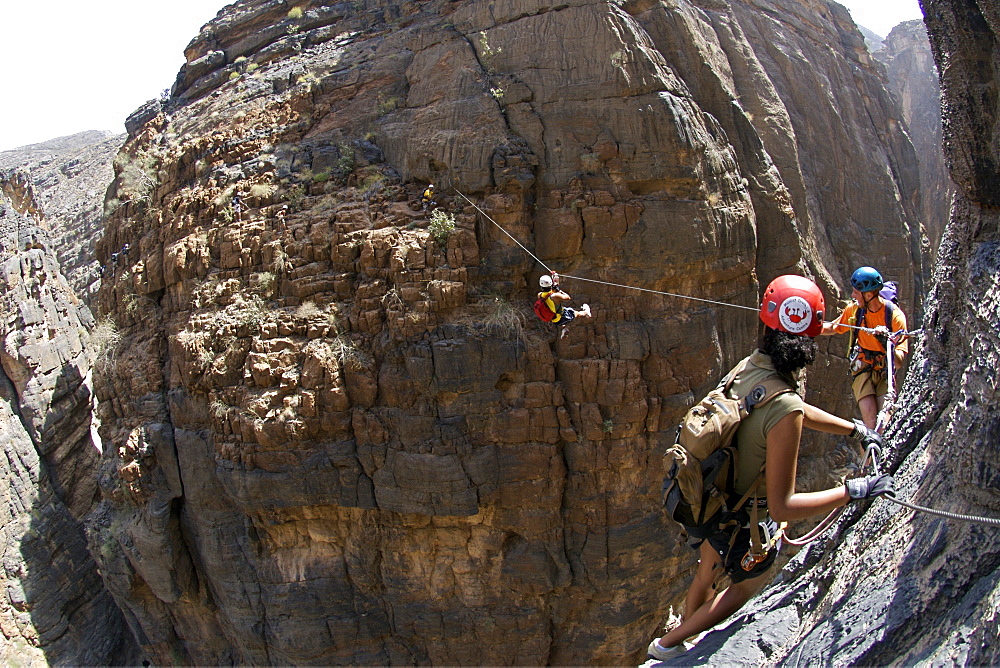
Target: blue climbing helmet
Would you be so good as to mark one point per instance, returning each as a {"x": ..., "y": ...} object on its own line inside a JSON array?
[{"x": 867, "y": 279}]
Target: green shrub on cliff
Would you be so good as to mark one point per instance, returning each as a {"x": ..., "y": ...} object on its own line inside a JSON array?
[{"x": 442, "y": 225}]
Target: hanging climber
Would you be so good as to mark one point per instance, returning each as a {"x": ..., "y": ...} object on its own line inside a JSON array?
[
  {"x": 768, "y": 445},
  {"x": 882, "y": 318},
  {"x": 427, "y": 198},
  {"x": 549, "y": 304}
]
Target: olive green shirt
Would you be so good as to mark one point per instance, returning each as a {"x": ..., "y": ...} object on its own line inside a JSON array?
[{"x": 751, "y": 436}]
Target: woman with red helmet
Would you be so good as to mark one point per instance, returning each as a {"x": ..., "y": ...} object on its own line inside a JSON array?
[{"x": 792, "y": 310}]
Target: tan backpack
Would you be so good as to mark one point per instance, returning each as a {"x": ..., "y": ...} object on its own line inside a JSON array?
[{"x": 700, "y": 468}]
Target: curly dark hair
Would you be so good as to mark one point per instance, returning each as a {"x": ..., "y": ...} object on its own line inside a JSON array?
[{"x": 788, "y": 352}]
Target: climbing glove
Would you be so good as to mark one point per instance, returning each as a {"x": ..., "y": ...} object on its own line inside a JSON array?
[
  {"x": 868, "y": 438},
  {"x": 870, "y": 486}
]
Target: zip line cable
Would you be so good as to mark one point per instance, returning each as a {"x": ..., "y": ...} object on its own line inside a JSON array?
[
  {"x": 591, "y": 280},
  {"x": 630, "y": 287},
  {"x": 823, "y": 525}
]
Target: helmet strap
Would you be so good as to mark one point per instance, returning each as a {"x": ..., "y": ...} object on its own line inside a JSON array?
[{"x": 868, "y": 303}]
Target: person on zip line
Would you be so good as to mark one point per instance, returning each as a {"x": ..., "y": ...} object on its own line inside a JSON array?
[{"x": 549, "y": 306}]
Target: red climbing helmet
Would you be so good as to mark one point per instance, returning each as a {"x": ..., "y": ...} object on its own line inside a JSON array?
[{"x": 793, "y": 304}]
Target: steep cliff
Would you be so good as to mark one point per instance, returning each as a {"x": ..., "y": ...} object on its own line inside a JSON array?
[
  {"x": 69, "y": 176},
  {"x": 54, "y": 608},
  {"x": 913, "y": 77},
  {"x": 894, "y": 586},
  {"x": 334, "y": 435}
]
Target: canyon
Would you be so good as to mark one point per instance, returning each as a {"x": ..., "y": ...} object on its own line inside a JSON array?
[{"x": 302, "y": 419}]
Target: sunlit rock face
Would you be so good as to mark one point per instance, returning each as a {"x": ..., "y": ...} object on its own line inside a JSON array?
[
  {"x": 913, "y": 77},
  {"x": 333, "y": 431},
  {"x": 54, "y": 609},
  {"x": 70, "y": 177}
]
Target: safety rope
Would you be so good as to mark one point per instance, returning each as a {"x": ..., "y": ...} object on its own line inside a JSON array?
[
  {"x": 933, "y": 511},
  {"x": 992, "y": 521},
  {"x": 871, "y": 454},
  {"x": 633, "y": 287},
  {"x": 591, "y": 280},
  {"x": 883, "y": 415}
]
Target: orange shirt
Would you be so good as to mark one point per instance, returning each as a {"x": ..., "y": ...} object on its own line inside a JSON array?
[{"x": 865, "y": 339}]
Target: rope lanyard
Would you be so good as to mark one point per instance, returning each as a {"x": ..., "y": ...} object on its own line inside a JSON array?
[{"x": 890, "y": 396}]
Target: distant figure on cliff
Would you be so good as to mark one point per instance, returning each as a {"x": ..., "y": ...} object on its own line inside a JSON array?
[
  {"x": 549, "y": 304},
  {"x": 768, "y": 446},
  {"x": 867, "y": 350},
  {"x": 282, "y": 222},
  {"x": 427, "y": 198},
  {"x": 238, "y": 206}
]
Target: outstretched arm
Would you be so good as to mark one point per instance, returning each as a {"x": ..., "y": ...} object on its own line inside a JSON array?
[
  {"x": 818, "y": 419},
  {"x": 784, "y": 504}
]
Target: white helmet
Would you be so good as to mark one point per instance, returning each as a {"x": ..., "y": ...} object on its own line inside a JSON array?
[{"x": 545, "y": 281}]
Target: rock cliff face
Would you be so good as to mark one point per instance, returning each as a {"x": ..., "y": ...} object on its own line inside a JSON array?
[
  {"x": 913, "y": 77},
  {"x": 893, "y": 586},
  {"x": 332, "y": 433},
  {"x": 69, "y": 176},
  {"x": 54, "y": 608}
]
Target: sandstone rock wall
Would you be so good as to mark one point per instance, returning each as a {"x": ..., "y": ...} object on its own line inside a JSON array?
[
  {"x": 894, "y": 586},
  {"x": 913, "y": 77},
  {"x": 70, "y": 176},
  {"x": 54, "y": 608},
  {"x": 334, "y": 433}
]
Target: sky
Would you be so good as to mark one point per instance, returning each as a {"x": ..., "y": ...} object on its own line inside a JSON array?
[
  {"x": 881, "y": 16},
  {"x": 76, "y": 65}
]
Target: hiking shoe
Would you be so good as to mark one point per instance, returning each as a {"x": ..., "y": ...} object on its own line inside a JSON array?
[
  {"x": 661, "y": 654},
  {"x": 585, "y": 310}
]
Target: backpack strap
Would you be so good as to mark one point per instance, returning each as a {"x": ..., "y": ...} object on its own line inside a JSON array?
[
  {"x": 761, "y": 393},
  {"x": 859, "y": 321},
  {"x": 766, "y": 390}
]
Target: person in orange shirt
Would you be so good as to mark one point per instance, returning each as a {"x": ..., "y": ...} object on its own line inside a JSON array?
[{"x": 868, "y": 348}]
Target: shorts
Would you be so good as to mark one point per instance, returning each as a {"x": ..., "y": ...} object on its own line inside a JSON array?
[
  {"x": 567, "y": 315},
  {"x": 868, "y": 383},
  {"x": 732, "y": 557}
]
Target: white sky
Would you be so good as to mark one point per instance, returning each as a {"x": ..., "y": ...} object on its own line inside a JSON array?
[
  {"x": 881, "y": 16},
  {"x": 75, "y": 65}
]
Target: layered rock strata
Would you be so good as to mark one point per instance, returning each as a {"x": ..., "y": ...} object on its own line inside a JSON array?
[
  {"x": 54, "y": 608},
  {"x": 70, "y": 177},
  {"x": 333, "y": 433}
]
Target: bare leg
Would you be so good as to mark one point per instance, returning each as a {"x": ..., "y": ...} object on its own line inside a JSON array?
[
  {"x": 869, "y": 410},
  {"x": 701, "y": 587},
  {"x": 714, "y": 611}
]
